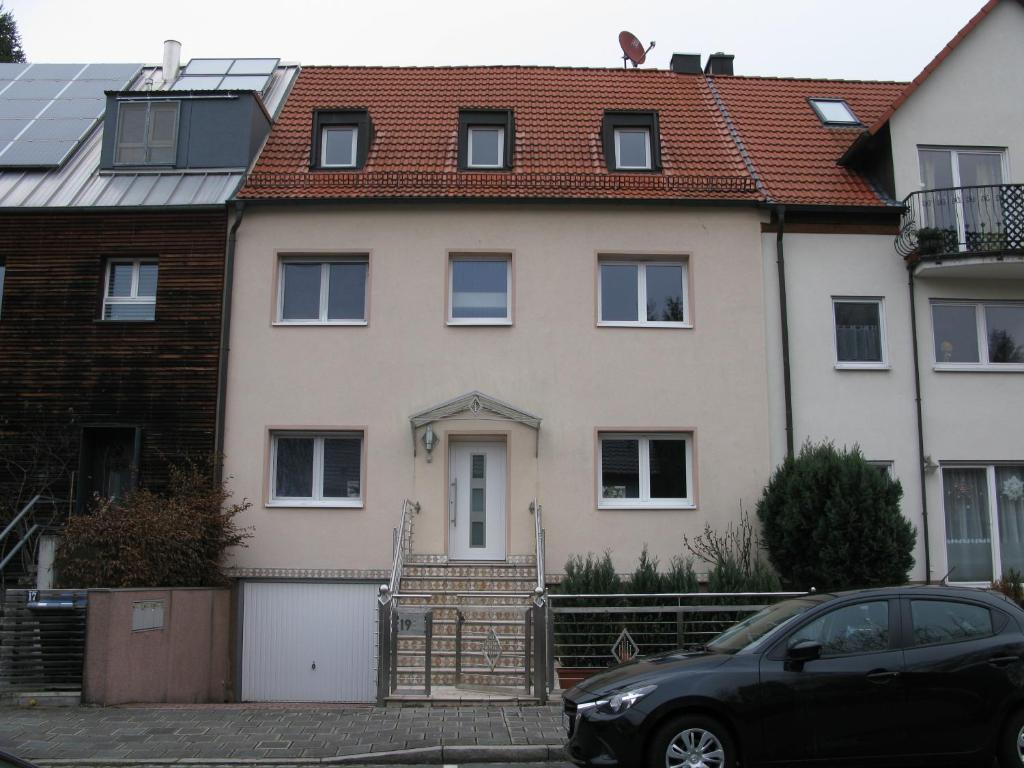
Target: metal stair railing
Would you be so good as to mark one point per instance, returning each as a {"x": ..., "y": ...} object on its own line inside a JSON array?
[{"x": 26, "y": 535}]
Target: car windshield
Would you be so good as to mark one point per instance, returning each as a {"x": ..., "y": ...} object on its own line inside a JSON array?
[{"x": 753, "y": 628}]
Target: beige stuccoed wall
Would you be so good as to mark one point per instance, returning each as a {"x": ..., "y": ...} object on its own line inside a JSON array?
[
  {"x": 871, "y": 408},
  {"x": 974, "y": 99},
  {"x": 553, "y": 362}
]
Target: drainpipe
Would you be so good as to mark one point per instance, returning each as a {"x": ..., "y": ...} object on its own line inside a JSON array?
[
  {"x": 920, "y": 428},
  {"x": 780, "y": 217},
  {"x": 225, "y": 332}
]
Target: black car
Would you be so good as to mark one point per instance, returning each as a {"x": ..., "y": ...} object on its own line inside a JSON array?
[{"x": 879, "y": 677}]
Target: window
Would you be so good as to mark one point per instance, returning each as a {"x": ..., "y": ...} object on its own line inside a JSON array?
[
  {"x": 486, "y": 139},
  {"x": 941, "y": 621},
  {"x": 631, "y": 141},
  {"x": 650, "y": 293},
  {"x": 478, "y": 289},
  {"x": 984, "y": 507},
  {"x": 972, "y": 219},
  {"x": 970, "y": 335},
  {"x": 130, "y": 291},
  {"x": 313, "y": 292},
  {"x": 108, "y": 463},
  {"x": 147, "y": 133},
  {"x": 860, "y": 628},
  {"x": 884, "y": 467},
  {"x": 834, "y": 112},
  {"x": 310, "y": 469},
  {"x": 341, "y": 139},
  {"x": 645, "y": 470},
  {"x": 860, "y": 333}
]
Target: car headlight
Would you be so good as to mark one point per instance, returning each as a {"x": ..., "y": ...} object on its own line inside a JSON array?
[{"x": 619, "y": 701}]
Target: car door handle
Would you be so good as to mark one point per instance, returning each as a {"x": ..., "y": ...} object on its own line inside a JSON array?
[
  {"x": 1003, "y": 661},
  {"x": 882, "y": 676}
]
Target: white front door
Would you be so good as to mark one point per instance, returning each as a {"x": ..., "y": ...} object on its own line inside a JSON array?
[{"x": 476, "y": 501}]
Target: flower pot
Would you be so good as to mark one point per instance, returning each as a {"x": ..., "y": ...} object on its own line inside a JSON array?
[{"x": 572, "y": 676}]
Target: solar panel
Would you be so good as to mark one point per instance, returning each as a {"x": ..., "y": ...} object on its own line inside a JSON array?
[
  {"x": 47, "y": 109},
  {"x": 226, "y": 75},
  {"x": 253, "y": 67},
  {"x": 208, "y": 67}
]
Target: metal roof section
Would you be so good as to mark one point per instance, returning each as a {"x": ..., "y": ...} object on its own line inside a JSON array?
[
  {"x": 79, "y": 183},
  {"x": 46, "y": 110}
]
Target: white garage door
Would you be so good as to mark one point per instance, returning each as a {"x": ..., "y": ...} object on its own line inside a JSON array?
[{"x": 309, "y": 642}]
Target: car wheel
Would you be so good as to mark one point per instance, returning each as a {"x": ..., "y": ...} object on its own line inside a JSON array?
[
  {"x": 693, "y": 741},
  {"x": 1011, "y": 744}
]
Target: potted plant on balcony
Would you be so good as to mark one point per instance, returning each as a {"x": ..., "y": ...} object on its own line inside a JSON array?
[{"x": 932, "y": 240}]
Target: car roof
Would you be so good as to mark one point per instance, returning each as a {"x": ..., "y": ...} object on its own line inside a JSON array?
[{"x": 989, "y": 596}]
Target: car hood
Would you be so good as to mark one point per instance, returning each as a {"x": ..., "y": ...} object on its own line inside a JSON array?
[{"x": 648, "y": 670}]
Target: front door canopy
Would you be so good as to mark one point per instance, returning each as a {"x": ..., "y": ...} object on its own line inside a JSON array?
[{"x": 472, "y": 406}]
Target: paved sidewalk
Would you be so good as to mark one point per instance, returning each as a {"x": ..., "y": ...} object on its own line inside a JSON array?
[{"x": 270, "y": 733}]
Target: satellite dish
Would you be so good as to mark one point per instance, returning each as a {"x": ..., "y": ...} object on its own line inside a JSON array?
[{"x": 632, "y": 49}]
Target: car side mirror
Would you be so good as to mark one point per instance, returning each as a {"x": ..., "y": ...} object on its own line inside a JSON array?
[{"x": 804, "y": 651}]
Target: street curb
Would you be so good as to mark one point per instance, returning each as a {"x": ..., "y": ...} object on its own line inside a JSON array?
[{"x": 514, "y": 753}]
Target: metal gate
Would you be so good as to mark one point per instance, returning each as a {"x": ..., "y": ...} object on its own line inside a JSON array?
[{"x": 42, "y": 640}]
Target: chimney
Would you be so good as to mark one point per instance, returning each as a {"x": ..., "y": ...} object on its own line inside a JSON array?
[
  {"x": 719, "y": 64},
  {"x": 685, "y": 63},
  {"x": 172, "y": 60}
]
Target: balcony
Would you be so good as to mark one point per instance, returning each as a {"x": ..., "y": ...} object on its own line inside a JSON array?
[{"x": 964, "y": 226}]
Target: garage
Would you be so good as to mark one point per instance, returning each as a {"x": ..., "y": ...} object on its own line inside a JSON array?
[{"x": 305, "y": 641}]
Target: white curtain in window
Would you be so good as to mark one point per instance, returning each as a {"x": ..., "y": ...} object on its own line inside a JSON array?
[
  {"x": 968, "y": 538},
  {"x": 858, "y": 343},
  {"x": 1010, "y": 506}
]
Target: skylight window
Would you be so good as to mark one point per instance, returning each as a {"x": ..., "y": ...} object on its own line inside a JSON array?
[{"x": 834, "y": 112}]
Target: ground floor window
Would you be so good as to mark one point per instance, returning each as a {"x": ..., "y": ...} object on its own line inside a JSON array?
[
  {"x": 637, "y": 470},
  {"x": 984, "y": 507},
  {"x": 108, "y": 463},
  {"x": 317, "y": 469}
]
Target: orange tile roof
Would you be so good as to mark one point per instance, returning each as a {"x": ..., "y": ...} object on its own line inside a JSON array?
[
  {"x": 558, "y": 153},
  {"x": 792, "y": 153}
]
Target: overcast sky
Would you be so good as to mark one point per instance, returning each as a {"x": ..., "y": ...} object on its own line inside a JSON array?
[{"x": 852, "y": 39}]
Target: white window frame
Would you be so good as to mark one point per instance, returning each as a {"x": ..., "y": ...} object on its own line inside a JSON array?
[
  {"x": 954, "y": 158},
  {"x": 325, "y": 289},
  {"x": 645, "y": 501},
  {"x": 619, "y": 166},
  {"x": 133, "y": 298},
  {"x": 501, "y": 146},
  {"x": 886, "y": 464},
  {"x": 148, "y": 144},
  {"x": 993, "y": 515},
  {"x": 326, "y": 129},
  {"x": 883, "y": 342},
  {"x": 853, "y": 121},
  {"x": 981, "y": 328},
  {"x": 507, "y": 320},
  {"x": 641, "y": 305},
  {"x": 317, "y": 499}
]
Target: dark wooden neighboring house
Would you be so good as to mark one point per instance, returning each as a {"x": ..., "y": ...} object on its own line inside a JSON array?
[{"x": 112, "y": 252}]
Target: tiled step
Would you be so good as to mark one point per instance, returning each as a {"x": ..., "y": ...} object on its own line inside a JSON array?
[{"x": 414, "y": 680}]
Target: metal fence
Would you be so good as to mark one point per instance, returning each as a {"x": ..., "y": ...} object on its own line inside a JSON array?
[
  {"x": 42, "y": 640},
  {"x": 963, "y": 220}
]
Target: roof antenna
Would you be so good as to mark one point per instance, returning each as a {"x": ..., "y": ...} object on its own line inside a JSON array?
[
  {"x": 945, "y": 579},
  {"x": 632, "y": 49}
]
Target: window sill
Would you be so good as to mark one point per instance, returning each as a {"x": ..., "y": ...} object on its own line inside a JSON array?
[
  {"x": 299, "y": 504},
  {"x": 661, "y": 505},
  {"x": 631, "y": 324},
  {"x": 979, "y": 368},
  {"x": 314, "y": 323},
  {"x": 863, "y": 367},
  {"x": 116, "y": 321},
  {"x": 479, "y": 321}
]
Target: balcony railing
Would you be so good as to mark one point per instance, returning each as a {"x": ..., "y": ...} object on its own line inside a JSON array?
[{"x": 962, "y": 221}]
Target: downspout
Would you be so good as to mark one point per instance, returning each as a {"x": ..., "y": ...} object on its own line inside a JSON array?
[
  {"x": 787, "y": 384},
  {"x": 225, "y": 333},
  {"x": 920, "y": 428}
]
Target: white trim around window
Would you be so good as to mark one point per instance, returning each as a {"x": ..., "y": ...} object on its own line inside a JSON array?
[
  {"x": 641, "y": 293},
  {"x": 471, "y": 131},
  {"x": 863, "y": 344},
  {"x": 945, "y": 349},
  {"x": 136, "y": 308},
  {"x": 326, "y": 131},
  {"x": 319, "y": 495},
  {"x": 323, "y": 310},
  {"x": 646, "y": 166},
  {"x": 481, "y": 298},
  {"x": 617, "y": 495}
]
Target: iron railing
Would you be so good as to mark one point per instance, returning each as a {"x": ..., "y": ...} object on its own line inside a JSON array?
[
  {"x": 401, "y": 541},
  {"x": 538, "y": 524},
  {"x": 962, "y": 221}
]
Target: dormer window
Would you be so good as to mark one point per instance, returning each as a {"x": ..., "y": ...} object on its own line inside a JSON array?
[
  {"x": 631, "y": 141},
  {"x": 834, "y": 112},
  {"x": 147, "y": 133},
  {"x": 341, "y": 139},
  {"x": 486, "y": 139}
]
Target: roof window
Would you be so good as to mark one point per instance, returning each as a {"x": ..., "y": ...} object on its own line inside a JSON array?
[
  {"x": 341, "y": 139},
  {"x": 486, "y": 139},
  {"x": 631, "y": 141},
  {"x": 834, "y": 112}
]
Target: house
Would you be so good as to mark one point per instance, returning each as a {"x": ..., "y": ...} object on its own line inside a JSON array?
[{"x": 113, "y": 183}]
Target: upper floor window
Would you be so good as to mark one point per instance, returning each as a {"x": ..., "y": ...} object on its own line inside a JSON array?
[
  {"x": 975, "y": 335},
  {"x": 315, "y": 291},
  {"x": 834, "y": 112},
  {"x": 653, "y": 470},
  {"x": 341, "y": 139},
  {"x": 651, "y": 293},
  {"x": 479, "y": 289},
  {"x": 130, "y": 290},
  {"x": 486, "y": 139},
  {"x": 860, "y": 333},
  {"x": 631, "y": 141},
  {"x": 147, "y": 133}
]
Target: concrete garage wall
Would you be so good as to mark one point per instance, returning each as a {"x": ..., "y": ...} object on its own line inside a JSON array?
[{"x": 184, "y": 661}]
